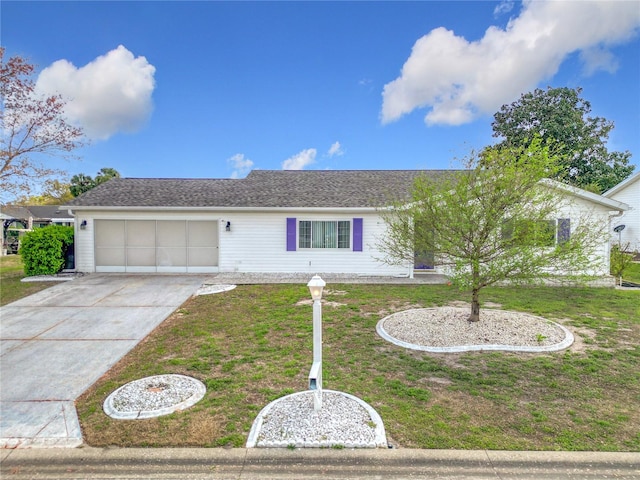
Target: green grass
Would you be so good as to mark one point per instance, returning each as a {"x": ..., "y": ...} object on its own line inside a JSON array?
[
  {"x": 632, "y": 274},
  {"x": 11, "y": 288},
  {"x": 253, "y": 344}
]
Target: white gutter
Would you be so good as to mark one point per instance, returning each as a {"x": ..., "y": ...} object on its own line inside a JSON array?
[
  {"x": 224, "y": 209},
  {"x": 592, "y": 197}
]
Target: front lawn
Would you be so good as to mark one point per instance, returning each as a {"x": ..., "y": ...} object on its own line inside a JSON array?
[
  {"x": 11, "y": 288},
  {"x": 253, "y": 344},
  {"x": 632, "y": 274}
]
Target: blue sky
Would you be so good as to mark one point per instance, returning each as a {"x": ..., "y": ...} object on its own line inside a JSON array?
[{"x": 214, "y": 89}]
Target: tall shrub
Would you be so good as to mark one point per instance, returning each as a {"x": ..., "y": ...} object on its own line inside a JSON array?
[
  {"x": 43, "y": 249},
  {"x": 620, "y": 261}
]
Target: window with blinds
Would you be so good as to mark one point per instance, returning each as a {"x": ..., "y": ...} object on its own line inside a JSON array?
[{"x": 324, "y": 234}]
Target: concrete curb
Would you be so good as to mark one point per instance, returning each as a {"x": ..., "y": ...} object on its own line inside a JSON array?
[{"x": 245, "y": 464}]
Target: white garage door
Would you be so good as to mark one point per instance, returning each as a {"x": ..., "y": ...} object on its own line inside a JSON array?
[{"x": 156, "y": 246}]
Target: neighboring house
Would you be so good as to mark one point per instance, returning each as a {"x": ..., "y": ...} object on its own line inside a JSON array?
[
  {"x": 272, "y": 221},
  {"x": 17, "y": 219},
  {"x": 627, "y": 191},
  {"x": 37, "y": 215}
]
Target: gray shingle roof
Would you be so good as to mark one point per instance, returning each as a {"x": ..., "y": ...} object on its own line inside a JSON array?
[
  {"x": 261, "y": 188},
  {"x": 40, "y": 212}
]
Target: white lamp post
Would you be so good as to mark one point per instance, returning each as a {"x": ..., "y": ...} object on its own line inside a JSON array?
[{"x": 316, "y": 284}]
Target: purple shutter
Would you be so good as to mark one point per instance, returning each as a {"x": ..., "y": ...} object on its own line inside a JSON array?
[
  {"x": 357, "y": 234},
  {"x": 564, "y": 230},
  {"x": 291, "y": 234}
]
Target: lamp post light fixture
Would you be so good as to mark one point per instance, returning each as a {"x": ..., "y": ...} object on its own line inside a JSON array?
[
  {"x": 316, "y": 284},
  {"x": 619, "y": 230}
]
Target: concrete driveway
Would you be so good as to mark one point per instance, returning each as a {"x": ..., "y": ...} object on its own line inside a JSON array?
[{"x": 57, "y": 343}]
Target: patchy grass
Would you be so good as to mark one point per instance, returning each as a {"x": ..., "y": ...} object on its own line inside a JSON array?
[
  {"x": 11, "y": 288},
  {"x": 253, "y": 344}
]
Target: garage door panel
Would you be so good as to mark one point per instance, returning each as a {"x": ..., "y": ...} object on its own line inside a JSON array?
[
  {"x": 109, "y": 238},
  {"x": 141, "y": 233},
  {"x": 202, "y": 257},
  {"x": 172, "y": 233},
  {"x": 141, "y": 257},
  {"x": 110, "y": 257},
  {"x": 171, "y": 257},
  {"x": 203, "y": 234},
  {"x": 156, "y": 245},
  {"x": 109, "y": 233}
]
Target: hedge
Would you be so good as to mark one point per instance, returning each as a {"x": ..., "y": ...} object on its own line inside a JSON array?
[{"x": 43, "y": 249}]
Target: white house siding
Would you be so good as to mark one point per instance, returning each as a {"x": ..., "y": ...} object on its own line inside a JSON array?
[
  {"x": 579, "y": 210},
  {"x": 631, "y": 218},
  {"x": 598, "y": 216},
  {"x": 257, "y": 242}
]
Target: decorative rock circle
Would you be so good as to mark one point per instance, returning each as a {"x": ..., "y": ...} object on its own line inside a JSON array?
[
  {"x": 343, "y": 421},
  {"x": 209, "y": 289},
  {"x": 154, "y": 396}
]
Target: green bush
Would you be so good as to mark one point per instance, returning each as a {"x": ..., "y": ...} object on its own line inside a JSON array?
[
  {"x": 620, "y": 260},
  {"x": 43, "y": 249}
]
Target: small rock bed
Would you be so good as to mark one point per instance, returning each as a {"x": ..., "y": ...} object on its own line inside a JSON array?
[
  {"x": 210, "y": 289},
  {"x": 343, "y": 421},
  {"x": 154, "y": 396},
  {"x": 446, "y": 329}
]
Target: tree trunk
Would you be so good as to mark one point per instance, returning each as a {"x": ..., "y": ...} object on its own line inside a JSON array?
[{"x": 475, "y": 307}]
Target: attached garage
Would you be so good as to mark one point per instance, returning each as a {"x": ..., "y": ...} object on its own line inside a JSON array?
[{"x": 156, "y": 246}]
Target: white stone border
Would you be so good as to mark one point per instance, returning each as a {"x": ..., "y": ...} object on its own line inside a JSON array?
[
  {"x": 566, "y": 343},
  {"x": 380, "y": 437},
  {"x": 208, "y": 289},
  {"x": 109, "y": 408}
]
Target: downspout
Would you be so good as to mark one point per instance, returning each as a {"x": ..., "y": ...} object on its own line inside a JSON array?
[
  {"x": 608, "y": 257},
  {"x": 75, "y": 236}
]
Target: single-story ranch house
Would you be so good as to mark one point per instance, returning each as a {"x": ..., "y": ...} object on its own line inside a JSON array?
[
  {"x": 282, "y": 221},
  {"x": 627, "y": 191}
]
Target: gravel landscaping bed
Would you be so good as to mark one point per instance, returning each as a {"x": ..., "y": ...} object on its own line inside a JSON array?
[
  {"x": 154, "y": 396},
  {"x": 446, "y": 329},
  {"x": 343, "y": 421}
]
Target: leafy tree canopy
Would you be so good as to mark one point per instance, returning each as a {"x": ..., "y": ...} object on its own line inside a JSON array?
[
  {"x": 81, "y": 183},
  {"x": 561, "y": 118},
  {"x": 54, "y": 192}
]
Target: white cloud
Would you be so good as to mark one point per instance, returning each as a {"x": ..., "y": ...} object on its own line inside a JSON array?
[
  {"x": 460, "y": 80},
  {"x": 111, "y": 94},
  {"x": 503, "y": 7},
  {"x": 598, "y": 58},
  {"x": 241, "y": 165},
  {"x": 300, "y": 160},
  {"x": 335, "y": 150}
]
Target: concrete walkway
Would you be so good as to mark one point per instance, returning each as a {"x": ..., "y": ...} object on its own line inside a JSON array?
[
  {"x": 56, "y": 343},
  {"x": 282, "y": 464}
]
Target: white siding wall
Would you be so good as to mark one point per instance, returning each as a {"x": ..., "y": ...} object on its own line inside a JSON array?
[
  {"x": 600, "y": 217},
  {"x": 257, "y": 242},
  {"x": 83, "y": 244},
  {"x": 631, "y": 218},
  {"x": 578, "y": 210}
]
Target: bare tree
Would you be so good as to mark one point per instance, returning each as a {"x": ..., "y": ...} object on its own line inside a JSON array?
[{"x": 30, "y": 125}]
